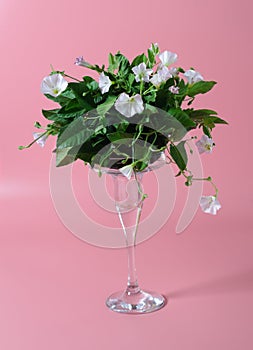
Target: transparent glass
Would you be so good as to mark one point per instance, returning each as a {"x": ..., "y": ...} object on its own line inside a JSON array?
[{"x": 128, "y": 197}]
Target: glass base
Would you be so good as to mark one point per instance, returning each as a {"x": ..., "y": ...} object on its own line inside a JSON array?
[{"x": 135, "y": 303}]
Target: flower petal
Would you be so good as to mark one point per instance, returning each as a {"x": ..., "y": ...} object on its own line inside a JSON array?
[
  {"x": 53, "y": 85},
  {"x": 41, "y": 139},
  {"x": 209, "y": 204},
  {"x": 192, "y": 76},
  {"x": 127, "y": 171},
  {"x": 205, "y": 144},
  {"x": 129, "y": 106},
  {"x": 104, "y": 83},
  {"x": 167, "y": 58}
]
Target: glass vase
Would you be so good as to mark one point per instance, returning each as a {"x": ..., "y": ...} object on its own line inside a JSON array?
[{"x": 128, "y": 198}]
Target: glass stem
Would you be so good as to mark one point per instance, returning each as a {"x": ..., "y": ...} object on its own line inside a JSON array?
[
  {"x": 132, "y": 284},
  {"x": 129, "y": 202}
]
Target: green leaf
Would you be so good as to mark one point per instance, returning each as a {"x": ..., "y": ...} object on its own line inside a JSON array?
[
  {"x": 131, "y": 79},
  {"x": 150, "y": 97},
  {"x": 51, "y": 114},
  {"x": 79, "y": 89},
  {"x": 181, "y": 70},
  {"x": 90, "y": 83},
  {"x": 63, "y": 157},
  {"x": 103, "y": 108},
  {"x": 211, "y": 121},
  {"x": 201, "y": 113},
  {"x": 113, "y": 63},
  {"x": 151, "y": 57},
  {"x": 183, "y": 118},
  {"x": 217, "y": 120},
  {"x": 76, "y": 133},
  {"x": 123, "y": 64},
  {"x": 200, "y": 87},
  {"x": 37, "y": 125},
  {"x": 139, "y": 59},
  {"x": 73, "y": 112},
  {"x": 63, "y": 98},
  {"x": 179, "y": 155},
  {"x": 205, "y": 117},
  {"x": 206, "y": 131}
]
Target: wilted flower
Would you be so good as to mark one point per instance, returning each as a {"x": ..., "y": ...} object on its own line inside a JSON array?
[
  {"x": 81, "y": 62},
  {"x": 205, "y": 144},
  {"x": 53, "y": 85},
  {"x": 209, "y": 204},
  {"x": 174, "y": 89},
  {"x": 167, "y": 58},
  {"x": 141, "y": 72},
  {"x": 127, "y": 171},
  {"x": 161, "y": 76},
  {"x": 104, "y": 83},
  {"x": 41, "y": 138},
  {"x": 192, "y": 76},
  {"x": 129, "y": 106}
]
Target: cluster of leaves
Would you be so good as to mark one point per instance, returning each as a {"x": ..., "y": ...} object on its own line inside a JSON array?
[{"x": 87, "y": 123}]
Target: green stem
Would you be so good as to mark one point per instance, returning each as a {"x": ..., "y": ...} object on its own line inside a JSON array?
[
  {"x": 149, "y": 89},
  {"x": 209, "y": 179},
  {"x": 141, "y": 87},
  {"x": 35, "y": 140},
  {"x": 143, "y": 195},
  {"x": 69, "y": 76}
]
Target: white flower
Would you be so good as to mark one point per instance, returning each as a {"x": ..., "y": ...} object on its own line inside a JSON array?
[
  {"x": 155, "y": 80},
  {"x": 53, "y": 85},
  {"x": 41, "y": 139},
  {"x": 209, "y": 204},
  {"x": 167, "y": 58},
  {"x": 129, "y": 106},
  {"x": 205, "y": 144},
  {"x": 192, "y": 76},
  {"x": 127, "y": 171},
  {"x": 104, "y": 83},
  {"x": 141, "y": 72},
  {"x": 161, "y": 76},
  {"x": 81, "y": 62},
  {"x": 173, "y": 71},
  {"x": 174, "y": 89}
]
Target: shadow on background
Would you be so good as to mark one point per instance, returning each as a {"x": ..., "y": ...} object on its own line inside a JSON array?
[{"x": 238, "y": 282}]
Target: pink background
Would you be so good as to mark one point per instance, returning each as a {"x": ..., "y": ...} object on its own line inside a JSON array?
[{"x": 53, "y": 286}]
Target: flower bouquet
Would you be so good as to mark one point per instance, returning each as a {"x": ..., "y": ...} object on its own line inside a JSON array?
[
  {"x": 134, "y": 116},
  {"x": 148, "y": 101}
]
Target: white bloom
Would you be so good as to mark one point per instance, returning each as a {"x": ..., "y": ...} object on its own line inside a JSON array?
[
  {"x": 53, "y": 85},
  {"x": 205, "y": 144},
  {"x": 155, "y": 80},
  {"x": 127, "y": 171},
  {"x": 161, "y": 76},
  {"x": 192, "y": 76},
  {"x": 41, "y": 139},
  {"x": 167, "y": 58},
  {"x": 174, "y": 89},
  {"x": 129, "y": 106},
  {"x": 141, "y": 72},
  {"x": 209, "y": 204},
  {"x": 81, "y": 62},
  {"x": 173, "y": 71},
  {"x": 104, "y": 83}
]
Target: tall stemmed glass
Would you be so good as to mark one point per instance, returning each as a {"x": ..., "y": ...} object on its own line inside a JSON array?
[{"x": 128, "y": 196}]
